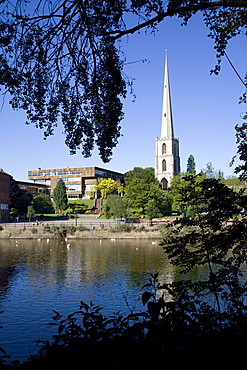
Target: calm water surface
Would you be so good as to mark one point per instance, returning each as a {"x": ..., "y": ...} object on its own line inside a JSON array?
[{"x": 39, "y": 277}]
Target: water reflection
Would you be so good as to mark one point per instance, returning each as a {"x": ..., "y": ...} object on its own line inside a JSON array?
[{"x": 37, "y": 277}]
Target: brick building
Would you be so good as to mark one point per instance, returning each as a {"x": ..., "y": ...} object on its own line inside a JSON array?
[{"x": 5, "y": 184}]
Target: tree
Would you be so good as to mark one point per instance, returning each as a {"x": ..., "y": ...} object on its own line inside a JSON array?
[
  {"x": 193, "y": 194},
  {"x": 20, "y": 199},
  {"x": 42, "y": 204},
  {"x": 152, "y": 209},
  {"x": 61, "y": 60},
  {"x": 212, "y": 173},
  {"x": 115, "y": 206},
  {"x": 30, "y": 212},
  {"x": 60, "y": 196},
  {"x": 108, "y": 186},
  {"x": 22, "y": 203},
  {"x": 146, "y": 174},
  {"x": 191, "y": 165},
  {"x": 138, "y": 193},
  {"x": 15, "y": 193}
]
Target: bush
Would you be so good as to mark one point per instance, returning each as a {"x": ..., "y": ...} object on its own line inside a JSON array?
[
  {"x": 125, "y": 227},
  {"x": 82, "y": 228}
]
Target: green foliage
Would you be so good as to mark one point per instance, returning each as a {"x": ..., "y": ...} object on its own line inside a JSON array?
[
  {"x": 115, "y": 207},
  {"x": 60, "y": 196},
  {"x": 241, "y": 135},
  {"x": 147, "y": 174},
  {"x": 138, "y": 193},
  {"x": 152, "y": 209},
  {"x": 212, "y": 173},
  {"x": 233, "y": 181},
  {"x": 186, "y": 193},
  {"x": 33, "y": 230},
  {"x": 82, "y": 85},
  {"x": 191, "y": 165},
  {"x": 22, "y": 203},
  {"x": 193, "y": 194},
  {"x": 108, "y": 186},
  {"x": 42, "y": 204},
  {"x": 79, "y": 206},
  {"x": 125, "y": 228},
  {"x": 15, "y": 193},
  {"x": 30, "y": 212}
]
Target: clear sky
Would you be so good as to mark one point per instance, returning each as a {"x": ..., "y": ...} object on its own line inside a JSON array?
[{"x": 205, "y": 107}]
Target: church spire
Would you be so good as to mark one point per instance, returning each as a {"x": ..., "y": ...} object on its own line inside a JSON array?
[
  {"x": 167, "y": 123},
  {"x": 167, "y": 160}
]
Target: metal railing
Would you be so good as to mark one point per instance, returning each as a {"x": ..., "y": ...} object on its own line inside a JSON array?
[{"x": 75, "y": 222}]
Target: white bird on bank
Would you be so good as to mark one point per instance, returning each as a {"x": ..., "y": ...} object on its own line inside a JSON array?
[
  {"x": 47, "y": 240},
  {"x": 113, "y": 240}
]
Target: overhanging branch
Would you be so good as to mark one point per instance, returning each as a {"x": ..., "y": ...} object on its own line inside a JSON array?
[{"x": 179, "y": 11}]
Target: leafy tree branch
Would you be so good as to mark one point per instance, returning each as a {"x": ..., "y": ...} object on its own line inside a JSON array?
[{"x": 61, "y": 61}]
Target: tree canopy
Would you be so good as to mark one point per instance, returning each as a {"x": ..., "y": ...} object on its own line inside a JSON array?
[
  {"x": 61, "y": 60},
  {"x": 108, "y": 186},
  {"x": 147, "y": 174}
]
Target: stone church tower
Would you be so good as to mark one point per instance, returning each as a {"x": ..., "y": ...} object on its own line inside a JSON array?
[{"x": 167, "y": 160}]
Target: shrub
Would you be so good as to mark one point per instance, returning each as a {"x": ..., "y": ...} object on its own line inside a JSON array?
[
  {"x": 47, "y": 228},
  {"x": 82, "y": 228},
  {"x": 125, "y": 227}
]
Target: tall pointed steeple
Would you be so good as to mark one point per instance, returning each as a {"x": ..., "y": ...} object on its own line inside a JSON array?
[
  {"x": 167, "y": 161},
  {"x": 167, "y": 122}
]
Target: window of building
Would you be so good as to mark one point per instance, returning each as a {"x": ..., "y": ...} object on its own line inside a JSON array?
[
  {"x": 164, "y": 165},
  {"x": 164, "y": 184}
]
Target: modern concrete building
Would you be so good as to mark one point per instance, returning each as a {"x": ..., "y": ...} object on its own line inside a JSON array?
[
  {"x": 78, "y": 180},
  {"x": 167, "y": 160},
  {"x": 5, "y": 184}
]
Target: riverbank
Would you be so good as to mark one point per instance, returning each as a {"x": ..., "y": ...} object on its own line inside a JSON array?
[{"x": 41, "y": 232}]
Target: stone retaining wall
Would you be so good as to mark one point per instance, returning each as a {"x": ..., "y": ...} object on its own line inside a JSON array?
[{"x": 20, "y": 233}]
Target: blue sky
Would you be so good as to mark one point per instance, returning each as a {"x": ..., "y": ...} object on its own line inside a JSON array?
[{"x": 205, "y": 107}]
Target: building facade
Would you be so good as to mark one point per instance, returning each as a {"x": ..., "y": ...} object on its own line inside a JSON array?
[
  {"x": 33, "y": 188},
  {"x": 5, "y": 185},
  {"x": 167, "y": 160},
  {"x": 79, "y": 181}
]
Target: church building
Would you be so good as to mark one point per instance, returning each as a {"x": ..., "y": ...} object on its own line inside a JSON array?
[{"x": 167, "y": 160}]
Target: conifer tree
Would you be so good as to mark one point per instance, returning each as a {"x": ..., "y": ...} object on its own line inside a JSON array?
[
  {"x": 191, "y": 165},
  {"x": 60, "y": 196}
]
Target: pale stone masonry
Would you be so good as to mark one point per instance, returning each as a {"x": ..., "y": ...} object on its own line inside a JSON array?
[{"x": 167, "y": 160}]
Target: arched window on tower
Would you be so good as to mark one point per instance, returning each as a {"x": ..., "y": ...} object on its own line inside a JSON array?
[
  {"x": 164, "y": 184},
  {"x": 163, "y": 148},
  {"x": 164, "y": 165}
]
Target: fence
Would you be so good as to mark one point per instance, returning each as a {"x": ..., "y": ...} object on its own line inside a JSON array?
[{"x": 75, "y": 222}]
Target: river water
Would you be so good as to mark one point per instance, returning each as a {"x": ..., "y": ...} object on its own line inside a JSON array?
[{"x": 37, "y": 277}]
